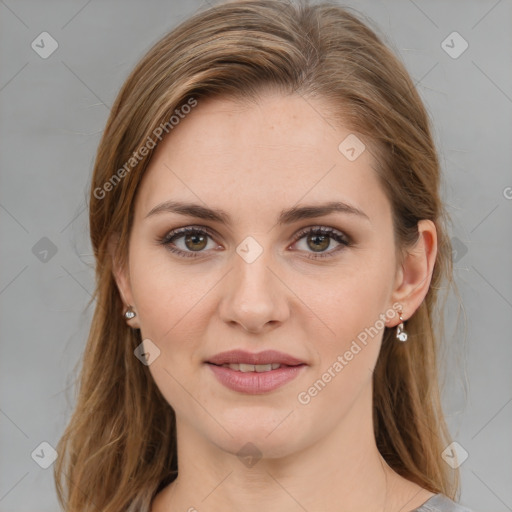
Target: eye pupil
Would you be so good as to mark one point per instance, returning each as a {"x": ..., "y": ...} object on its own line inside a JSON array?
[
  {"x": 324, "y": 243},
  {"x": 194, "y": 238}
]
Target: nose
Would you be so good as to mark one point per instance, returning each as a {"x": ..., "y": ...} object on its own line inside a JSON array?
[{"x": 253, "y": 296}]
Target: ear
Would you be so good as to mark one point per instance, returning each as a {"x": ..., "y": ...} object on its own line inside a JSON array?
[
  {"x": 415, "y": 274},
  {"x": 122, "y": 279}
]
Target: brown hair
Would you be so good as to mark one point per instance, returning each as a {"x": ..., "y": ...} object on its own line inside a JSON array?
[{"x": 119, "y": 448}]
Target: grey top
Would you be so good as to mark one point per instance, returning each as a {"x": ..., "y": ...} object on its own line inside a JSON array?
[{"x": 441, "y": 503}]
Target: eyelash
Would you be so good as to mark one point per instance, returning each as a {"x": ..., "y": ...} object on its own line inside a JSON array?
[{"x": 336, "y": 235}]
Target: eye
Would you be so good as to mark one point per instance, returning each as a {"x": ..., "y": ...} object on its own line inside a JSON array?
[
  {"x": 195, "y": 240},
  {"x": 319, "y": 238},
  {"x": 190, "y": 241}
]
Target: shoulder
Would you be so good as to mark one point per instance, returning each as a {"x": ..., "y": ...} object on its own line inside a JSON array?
[{"x": 441, "y": 503}]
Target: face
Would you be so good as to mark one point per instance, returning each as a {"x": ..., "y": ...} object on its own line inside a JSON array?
[{"x": 266, "y": 275}]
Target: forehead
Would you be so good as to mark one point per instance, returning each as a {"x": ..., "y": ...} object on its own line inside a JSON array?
[{"x": 253, "y": 156}]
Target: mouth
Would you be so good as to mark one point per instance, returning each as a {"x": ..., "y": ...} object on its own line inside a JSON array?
[
  {"x": 241, "y": 360},
  {"x": 255, "y": 373},
  {"x": 259, "y": 368}
]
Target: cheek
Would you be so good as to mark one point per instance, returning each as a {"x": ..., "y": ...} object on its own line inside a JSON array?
[
  {"x": 172, "y": 312},
  {"x": 346, "y": 331},
  {"x": 175, "y": 310},
  {"x": 171, "y": 309},
  {"x": 164, "y": 292},
  {"x": 346, "y": 303},
  {"x": 346, "y": 351}
]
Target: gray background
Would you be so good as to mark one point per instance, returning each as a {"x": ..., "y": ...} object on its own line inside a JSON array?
[{"x": 52, "y": 113}]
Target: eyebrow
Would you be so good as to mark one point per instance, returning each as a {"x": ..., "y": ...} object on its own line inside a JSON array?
[{"x": 287, "y": 216}]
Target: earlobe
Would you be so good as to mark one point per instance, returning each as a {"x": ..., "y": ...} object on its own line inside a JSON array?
[{"x": 415, "y": 274}]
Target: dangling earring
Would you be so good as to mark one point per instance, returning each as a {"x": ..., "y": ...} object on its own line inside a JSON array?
[
  {"x": 400, "y": 333},
  {"x": 129, "y": 313}
]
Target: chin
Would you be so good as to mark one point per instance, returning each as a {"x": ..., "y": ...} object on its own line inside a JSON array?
[
  {"x": 249, "y": 448},
  {"x": 266, "y": 432}
]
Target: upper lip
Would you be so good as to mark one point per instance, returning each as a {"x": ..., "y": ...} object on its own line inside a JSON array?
[{"x": 244, "y": 357}]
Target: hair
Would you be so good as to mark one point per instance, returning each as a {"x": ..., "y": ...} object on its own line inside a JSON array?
[{"x": 119, "y": 448}]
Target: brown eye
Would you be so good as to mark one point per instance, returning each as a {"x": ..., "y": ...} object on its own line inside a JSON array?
[
  {"x": 318, "y": 242},
  {"x": 319, "y": 238},
  {"x": 196, "y": 242},
  {"x": 188, "y": 242}
]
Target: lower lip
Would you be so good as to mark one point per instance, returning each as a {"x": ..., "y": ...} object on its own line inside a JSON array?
[{"x": 255, "y": 383}]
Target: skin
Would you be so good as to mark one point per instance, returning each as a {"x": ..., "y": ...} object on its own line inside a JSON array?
[{"x": 253, "y": 159}]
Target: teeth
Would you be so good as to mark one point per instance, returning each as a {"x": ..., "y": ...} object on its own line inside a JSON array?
[
  {"x": 263, "y": 367},
  {"x": 259, "y": 368}
]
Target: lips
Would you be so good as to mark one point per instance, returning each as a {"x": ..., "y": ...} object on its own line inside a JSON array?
[
  {"x": 242, "y": 357},
  {"x": 255, "y": 374}
]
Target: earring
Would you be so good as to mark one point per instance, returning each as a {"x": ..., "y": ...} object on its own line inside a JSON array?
[
  {"x": 129, "y": 313},
  {"x": 400, "y": 333}
]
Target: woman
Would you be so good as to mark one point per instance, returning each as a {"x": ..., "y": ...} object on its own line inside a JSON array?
[{"x": 270, "y": 241}]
